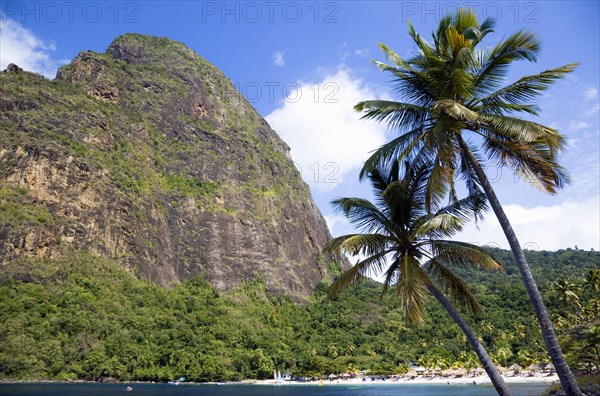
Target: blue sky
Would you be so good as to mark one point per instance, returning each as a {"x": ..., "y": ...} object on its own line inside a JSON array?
[{"x": 303, "y": 65}]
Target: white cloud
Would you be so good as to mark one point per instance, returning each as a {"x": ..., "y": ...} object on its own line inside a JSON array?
[
  {"x": 362, "y": 52},
  {"x": 555, "y": 125},
  {"x": 23, "y": 48},
  {"x": 338, "y": 224},
  {"x": 590, "y": 93},
  {"x": 553, "y": 227},
  {"x": 570, "y": 79},
  {"x": 279, "y": 58},
  {"x": 328, "y": 140},
  {"x": 577, "y": 125},
  {"x": 592, "y": 110}
]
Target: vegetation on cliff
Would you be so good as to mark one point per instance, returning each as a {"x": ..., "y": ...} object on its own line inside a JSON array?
[{"x": 147, "y": 155}]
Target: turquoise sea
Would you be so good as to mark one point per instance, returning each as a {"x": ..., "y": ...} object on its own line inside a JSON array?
[{"x": 91, "y": 389}]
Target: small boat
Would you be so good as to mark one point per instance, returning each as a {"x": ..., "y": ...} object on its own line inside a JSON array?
[
  {"x": 277, "y": 376},
  {"x": 173, "y": 383}
]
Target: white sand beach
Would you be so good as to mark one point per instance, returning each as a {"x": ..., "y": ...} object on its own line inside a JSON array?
[{"x": 481, "y": 379}]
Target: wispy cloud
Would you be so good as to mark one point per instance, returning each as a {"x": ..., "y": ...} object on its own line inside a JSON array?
[
  {"x": 362, "y": 52},
  {"x": 590, "y": 93},
  {"x": 577, "y": 125},
  {"x": 279, "y": 58},
  {"x": 22, "y": 47},
  {"x": 591, "y": 110}
]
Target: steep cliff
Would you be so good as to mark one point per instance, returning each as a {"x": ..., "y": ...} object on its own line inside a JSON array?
[{"x": 146, "y": 154}]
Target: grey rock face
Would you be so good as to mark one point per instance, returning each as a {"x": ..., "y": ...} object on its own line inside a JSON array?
[{"x": 147, "y": 154}]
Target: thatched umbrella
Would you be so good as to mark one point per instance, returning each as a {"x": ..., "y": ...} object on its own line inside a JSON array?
[
  {"x": 549, "y": 367},
  {"x": 515, "y": 367},
  {"x": 448, "y": 372},
  {"x": 502, "y": 369},
  {"x": 533, "y": 367},
  {"x": 461, "y": 372},
  {"x": 411, "y": 374},
  {"x": 346, "y": 375},
  {"x": 332, "y": 376},
  {"x": 478, "y": 371}
]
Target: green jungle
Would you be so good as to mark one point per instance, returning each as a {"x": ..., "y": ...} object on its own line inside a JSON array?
[{"x": 84, "y": 317}]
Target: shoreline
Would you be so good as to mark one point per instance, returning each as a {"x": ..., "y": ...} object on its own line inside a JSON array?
[{"x": 479, "y": 380}]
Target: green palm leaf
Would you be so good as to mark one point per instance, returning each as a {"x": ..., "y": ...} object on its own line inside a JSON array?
[
  {"x": 374, "y": 264},
  {"x": 411, "y": 287},
  {"x": 395, "y": 114},
  {"x": 455, "y": 287},
  {"x": 399, "y": 147},
  {"x": 463, "y": 254},
  {"x": 521, "y": 91},
  {"x": 494, "y": 63}
]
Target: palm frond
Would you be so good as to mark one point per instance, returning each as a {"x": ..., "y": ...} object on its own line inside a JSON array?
[
  {"x": 494, "y": 63},
  {"x": 395, "y": 58},
  {"x": 467, "y": 173},
  {"x": 464, "y": 19},
  {"x": 397, "y": 115},
  {"x": 423, "y": 45},
  {"x": 454, "y": 110},
  {"x": 441, "y": 177},
  {"x": 454, "y": 286},
  {"x": 411, "y": 287},
  {"x": 533, "y": 162},
  {"x": 440, "y": 225},
  {"x": 519, "y": 130},
  {"x": 358, "y": 244},
  {"x": 469, "y": 208},
  {"x": 358, "y": 272},
  {"x": 363, "y": 214},
  {"x": 514, "y": 96},
  {"x": 463, "y": 254},
  {"x": 397, "y": 149}
]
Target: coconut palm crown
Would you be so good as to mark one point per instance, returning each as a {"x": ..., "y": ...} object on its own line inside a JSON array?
[
  {"x": 454, "y": 86},
  {"x": 455, "y": 112},
  {"x": 406, "y": 244}
]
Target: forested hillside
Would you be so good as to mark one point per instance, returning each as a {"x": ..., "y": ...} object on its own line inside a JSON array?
[{"x": 88, "y": 317}]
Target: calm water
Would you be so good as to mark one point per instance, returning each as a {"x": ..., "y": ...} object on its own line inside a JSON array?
[{"x": 259, "y": 390}]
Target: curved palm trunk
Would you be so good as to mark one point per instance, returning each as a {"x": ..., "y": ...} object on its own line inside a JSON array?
[
  {"x": 567, "y": 379},
  {"x": 484, "y": 358}
]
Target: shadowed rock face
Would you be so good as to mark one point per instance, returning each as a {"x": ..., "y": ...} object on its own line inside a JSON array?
[{"x": 146, "y": 154}]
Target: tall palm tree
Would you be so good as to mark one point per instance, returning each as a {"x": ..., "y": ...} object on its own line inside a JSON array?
[
  {"x": 455, "y": 112},
  {"x": 405, "y": 243}
]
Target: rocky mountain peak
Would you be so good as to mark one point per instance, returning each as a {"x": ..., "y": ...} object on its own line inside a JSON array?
[{"x": 146, "y": 154}]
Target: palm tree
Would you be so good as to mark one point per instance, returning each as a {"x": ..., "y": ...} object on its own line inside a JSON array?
[
  {"x": 452, "y": 88},
  {"x": 592, "y": 281},
  {"x": 567, "y": 293},
  {"x": 399, "y": 234}
]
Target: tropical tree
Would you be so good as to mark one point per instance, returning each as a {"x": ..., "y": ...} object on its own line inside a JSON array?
[
  {"x": 405, "y": 244},
  {"x": 567, "y": 293},
  {"x": 455, "y": 112},
  {"x": 592, "y": 281}
]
